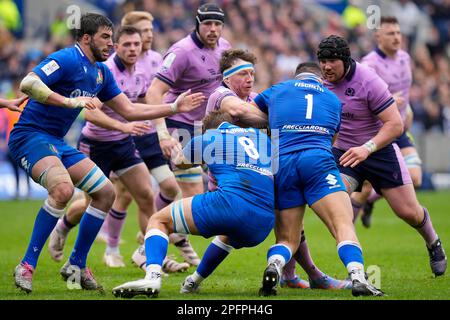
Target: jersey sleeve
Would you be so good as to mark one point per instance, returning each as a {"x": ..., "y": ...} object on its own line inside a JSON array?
[
  {"x": 110, "y": 88},
  {"x": 378, "y": 96},
  {"x": 262, "y": 100},
  {"x": 173, "y": 66},
  {"x": 55, "y": 67}
]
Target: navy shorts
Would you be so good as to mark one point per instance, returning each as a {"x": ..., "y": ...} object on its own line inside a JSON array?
[
  {"x": 405, "y": 140},
  {"x": 110, "y": 155},
  {"x": 185, "y": 130},
  {"x": 150, "y": 151},
  {"x": 29, "y": 146},
  {"x": 225, "y": 213},
  {"x": 384, "y": 168},
  {"x": 306, "y": 176}
]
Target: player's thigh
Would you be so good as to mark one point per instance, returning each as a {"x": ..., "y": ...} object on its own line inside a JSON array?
[
  {"x": 190, "y": 181},
  {"x": 44, "y": 164},
  {"x": 137, "y": 181},
  {"x": 177, "y": 217},
  {"x": 335, "y": 210}
]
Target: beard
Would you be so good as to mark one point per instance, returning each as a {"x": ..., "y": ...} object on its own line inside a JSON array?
[{"x": 96, "y": 52}]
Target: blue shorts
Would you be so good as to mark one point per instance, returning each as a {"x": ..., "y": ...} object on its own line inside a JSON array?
[
  {"x": 29, "y": 146},
  {"x": 405, "y": 141},
  {"x": 384, "y": 168},
  {"x": 110, "y": 155},
  {"x": 305, "y": 177},
  {"x": 150, "y": 151},
  {"x": 228, "y": 214}
]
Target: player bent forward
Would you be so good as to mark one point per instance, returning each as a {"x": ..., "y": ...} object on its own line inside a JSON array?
[{"x": 240, "y": 211}]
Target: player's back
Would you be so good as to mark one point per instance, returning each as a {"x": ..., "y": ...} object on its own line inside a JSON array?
[
  {"x": 303, "y": 113},
  {"x": 240, "y": 160}
]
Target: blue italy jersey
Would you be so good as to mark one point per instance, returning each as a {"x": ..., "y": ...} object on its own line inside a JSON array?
[
  {"x": 239, "y": 159},
  {"x": 69, "y": 73},
  {"x": 303, "y": 113}
]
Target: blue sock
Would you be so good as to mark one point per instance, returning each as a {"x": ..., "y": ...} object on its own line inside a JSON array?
[
  {"x": 156, "y": 243},
  {"x": 279, "y": 252},
  {"x": 216, "y": 252},
  {"x": 89, "y": 227},
  {"x": 46, "y": 220},
  {"x": 350, "y": 254}
]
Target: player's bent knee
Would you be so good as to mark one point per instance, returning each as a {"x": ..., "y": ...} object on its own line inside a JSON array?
[{"x": 57, "y": 181}]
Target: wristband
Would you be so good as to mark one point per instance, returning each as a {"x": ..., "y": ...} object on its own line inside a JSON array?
[
  {"x": 162, "y": 132},
  {"x": 73, "y": 103},
  {"x": 370, "y": 146},
  {"x": 174, "y": 107}
]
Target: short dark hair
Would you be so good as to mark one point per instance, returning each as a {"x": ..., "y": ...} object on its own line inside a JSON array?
[
  {"x": 90, "y": 23},
  {"x": 309, "y": 66},
  {"x": 388, "y": 19},
  {"x": 129, "y": 30},
  {"x": 231, "y": 55},
  {"x": 214, "y": 119}
]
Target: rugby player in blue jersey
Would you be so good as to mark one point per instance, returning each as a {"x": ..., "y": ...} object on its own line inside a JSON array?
[
  {"x": 59, "y": 87},
  {"x": 239, "y": 212},
  {"x": 304, "y": 116}
]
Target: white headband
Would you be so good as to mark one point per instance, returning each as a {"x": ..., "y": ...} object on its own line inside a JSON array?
[{"x": 238, "y": 66}]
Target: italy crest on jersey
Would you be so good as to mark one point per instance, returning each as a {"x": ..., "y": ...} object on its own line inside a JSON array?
[{"x": 99, "y": 76}]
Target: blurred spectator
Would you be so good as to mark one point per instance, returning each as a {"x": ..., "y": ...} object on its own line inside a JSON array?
[{"x": 9, "y": 15}]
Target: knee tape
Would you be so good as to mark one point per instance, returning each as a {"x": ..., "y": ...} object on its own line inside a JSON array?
[
  {"x": 412, "y": 160},
  {"x": 93, "y": 181},
  {"x": 192, "y": 175},
  {"x": 179, "y": 222},
  {"x": 54, "y": 175},
  {"x": 352, "y": 182},
  {"x": 161, "y": 173}
]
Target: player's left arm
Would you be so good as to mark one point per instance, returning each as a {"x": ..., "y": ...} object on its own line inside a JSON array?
[
  {"x": 138, "y": 111},
  {"x": 392, "y": 127}
]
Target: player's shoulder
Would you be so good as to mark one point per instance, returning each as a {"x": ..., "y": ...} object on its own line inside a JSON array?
[{"x": 68, "y": 54}]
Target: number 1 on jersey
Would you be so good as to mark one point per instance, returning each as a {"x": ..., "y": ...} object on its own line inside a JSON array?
[{"x": 309, "y": 105}]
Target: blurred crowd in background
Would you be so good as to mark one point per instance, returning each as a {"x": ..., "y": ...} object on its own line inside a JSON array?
[{"x": 281, "y": 33}]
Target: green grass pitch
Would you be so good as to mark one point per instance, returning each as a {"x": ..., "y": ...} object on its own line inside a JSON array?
[{"x": 390, "y": 244}]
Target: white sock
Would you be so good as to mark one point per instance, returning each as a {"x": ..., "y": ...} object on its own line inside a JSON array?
[
  {"x": 197, "y": 277},
  {"x": 152, "y": 268},
  {"x": 112, "y": 250}
]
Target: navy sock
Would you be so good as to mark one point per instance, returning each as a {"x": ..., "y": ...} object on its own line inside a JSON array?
[{"x": 216, "y": 252}]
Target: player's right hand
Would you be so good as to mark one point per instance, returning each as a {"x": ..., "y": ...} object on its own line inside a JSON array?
[
  {"x": 82, "y": 102},
  {"x": 135, "y": 128},
  {"x": 187, "y": 101},
  {"x": 167, "y": 145}
]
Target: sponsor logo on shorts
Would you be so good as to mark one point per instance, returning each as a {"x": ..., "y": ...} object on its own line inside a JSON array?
[{"x": 331, "y": 180}]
